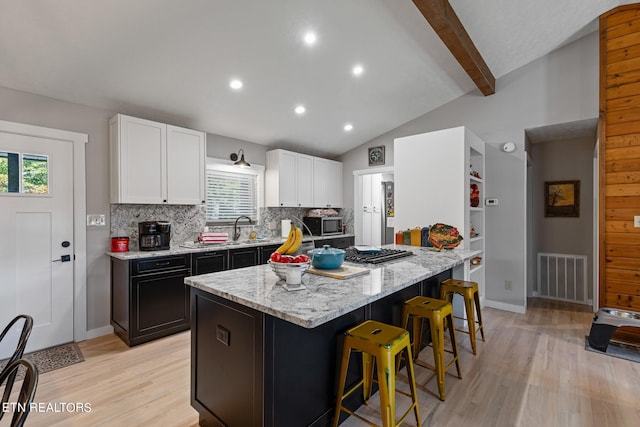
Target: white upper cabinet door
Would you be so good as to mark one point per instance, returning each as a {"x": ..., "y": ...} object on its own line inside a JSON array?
[
  {"x": 287, "y": 183},
  {"x": 327, "y": 183},
  {"x": 304, "y": 180},
  {"x": 334, "y": 190},
  {"x": 138, "y": 156},
  {"x": 185, "y": 166},
  {"x": 281, "y": 178},
  {"x": 299, "y": 180}
]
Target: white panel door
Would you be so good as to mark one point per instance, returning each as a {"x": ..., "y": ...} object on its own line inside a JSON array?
[
  {"x": 37, "y": 250},
  {"x": 367, "y": 210},
  {"x": 376, "y": 210},
  {"x": 185, "y": 166},
  {"x": 371, "y": 232}
]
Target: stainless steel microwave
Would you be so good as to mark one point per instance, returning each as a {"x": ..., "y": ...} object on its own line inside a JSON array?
[{"x": 323, "y": 226}]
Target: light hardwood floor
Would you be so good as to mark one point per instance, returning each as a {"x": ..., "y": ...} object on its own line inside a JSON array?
[{"x": 532, "y": 371}]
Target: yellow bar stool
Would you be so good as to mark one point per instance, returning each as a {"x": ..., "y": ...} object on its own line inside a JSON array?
[
  {"x": 380, "y": 345},
  {"x": 469, "y": 292},
  {"x": 436, "y": 311}
]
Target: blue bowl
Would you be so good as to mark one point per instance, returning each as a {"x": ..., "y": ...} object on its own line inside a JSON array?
[{"x": 326, "y": 258}]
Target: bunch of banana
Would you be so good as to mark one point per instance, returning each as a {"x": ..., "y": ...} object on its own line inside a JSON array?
[{"x": 293, "y": 242}]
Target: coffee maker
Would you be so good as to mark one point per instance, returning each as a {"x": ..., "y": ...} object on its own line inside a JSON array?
[{"x": 154, "y": 235}]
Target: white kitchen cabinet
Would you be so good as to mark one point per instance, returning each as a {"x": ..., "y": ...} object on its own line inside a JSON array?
[
  {"x": 327, "y": 183},
  {"x": 371, "y": 231},
  {"x": 155, "y": 163},
  {"x": 288, "y": 179},
  {"x": 305, "y": 180},
  {"x": 433, "y": 178},
  {"x": 185, "y": 166}
]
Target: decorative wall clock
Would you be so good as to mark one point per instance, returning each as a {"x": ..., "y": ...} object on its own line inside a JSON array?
[{"x": 376, "y": 156}]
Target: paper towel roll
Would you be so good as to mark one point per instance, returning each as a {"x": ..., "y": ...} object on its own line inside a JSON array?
[{"x": 285, "y": 226}]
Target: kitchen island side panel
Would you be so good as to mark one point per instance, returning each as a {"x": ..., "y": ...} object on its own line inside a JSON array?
[{"x": 226, "y": 362}]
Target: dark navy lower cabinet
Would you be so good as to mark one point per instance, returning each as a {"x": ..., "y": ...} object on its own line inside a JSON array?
[{"x": 149, "y": 299}]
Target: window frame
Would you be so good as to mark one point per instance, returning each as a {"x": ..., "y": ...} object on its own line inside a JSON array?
[{"x": 228, "y": 166}]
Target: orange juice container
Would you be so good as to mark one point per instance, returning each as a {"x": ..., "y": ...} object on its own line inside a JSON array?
[
  {"x": 416, "y": 236},
  {"x": 398, "y": 237},
  {"x": 406, "y": 237}
]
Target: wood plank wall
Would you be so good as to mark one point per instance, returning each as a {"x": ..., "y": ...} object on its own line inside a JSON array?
[{"x": 619, "y": 240}]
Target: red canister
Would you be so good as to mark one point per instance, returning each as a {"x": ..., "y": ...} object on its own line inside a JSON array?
[{"x": 119, "y": 244}]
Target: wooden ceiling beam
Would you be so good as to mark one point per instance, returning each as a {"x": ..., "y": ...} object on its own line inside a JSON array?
[{"x": 446, "y": 24}]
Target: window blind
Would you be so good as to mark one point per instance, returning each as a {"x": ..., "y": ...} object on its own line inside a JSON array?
[{"x": 230, "y": 195}]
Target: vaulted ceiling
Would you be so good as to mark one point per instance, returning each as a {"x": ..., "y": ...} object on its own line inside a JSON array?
[{"x": 173, "y": 60}]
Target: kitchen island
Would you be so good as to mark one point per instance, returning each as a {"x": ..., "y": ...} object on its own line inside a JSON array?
[{"x": 265, "y": 356}]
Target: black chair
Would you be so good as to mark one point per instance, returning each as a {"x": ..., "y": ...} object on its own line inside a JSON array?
[
  {"x": 27, "y": 326},
  {"x": 27, "y": 391}
]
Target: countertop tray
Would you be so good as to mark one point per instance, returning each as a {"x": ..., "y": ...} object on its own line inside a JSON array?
[{"x": 344, "y": 272}]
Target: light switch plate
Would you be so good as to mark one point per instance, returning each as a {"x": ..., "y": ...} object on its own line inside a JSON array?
[
  {"x": 96, "y": 220},
  {"x": 636, "y": 221}
]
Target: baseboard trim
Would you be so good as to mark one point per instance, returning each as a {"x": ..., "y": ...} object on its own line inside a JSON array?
[
  {"x": 98, "y": 332},
  {"x": 505, "y": 306}
]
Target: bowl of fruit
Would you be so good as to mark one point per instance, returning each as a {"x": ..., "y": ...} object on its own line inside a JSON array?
[
  {"x": 288, "y": 255},
  {"x": 280, "y": 263}
]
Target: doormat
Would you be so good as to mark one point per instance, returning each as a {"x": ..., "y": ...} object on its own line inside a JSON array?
[
  {"x": 52, "y": 358},
  {"x": 618, "y": 350}
]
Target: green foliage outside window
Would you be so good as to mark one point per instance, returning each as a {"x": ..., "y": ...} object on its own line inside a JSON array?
[
  {"x": 4, "y": 175},
  {"x": 35, "y": 174}
]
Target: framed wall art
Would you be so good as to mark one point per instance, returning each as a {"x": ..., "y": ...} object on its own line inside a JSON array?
[
  {"x": 562, "y": 199},
  {"x": 376, "y": 156}
]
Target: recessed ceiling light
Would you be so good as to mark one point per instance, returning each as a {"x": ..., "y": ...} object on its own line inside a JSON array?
[
  {"x": 357, "y": 70},
  {"x": 348, "y": 127},
  {"x": 310, "y": 38},
  {"x": 300, "y": 109},
  {"x": 235, "y": 84}
]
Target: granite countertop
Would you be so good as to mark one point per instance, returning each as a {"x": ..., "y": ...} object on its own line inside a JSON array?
[
  {"x": 191, "y": 247},
  {"x": 324, "y": 298}
]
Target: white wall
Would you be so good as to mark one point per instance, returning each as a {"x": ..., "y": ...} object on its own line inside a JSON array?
[
  {"x": 22, "y": 107},
  {"x": 560, "y": 87}
]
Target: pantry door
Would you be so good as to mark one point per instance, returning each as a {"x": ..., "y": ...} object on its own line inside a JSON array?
[{"x": 37, "y": 229}]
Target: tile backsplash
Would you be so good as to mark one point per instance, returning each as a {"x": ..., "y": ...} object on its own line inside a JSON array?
[{"x": 188, "y": 221}]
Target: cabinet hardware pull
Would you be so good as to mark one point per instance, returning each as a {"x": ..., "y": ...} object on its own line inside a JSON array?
[{"x": 159, "y": 264}]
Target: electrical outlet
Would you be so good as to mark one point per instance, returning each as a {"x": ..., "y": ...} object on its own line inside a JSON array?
[
  {"x": 636, "y": 221},
  {"x": 96, "y": 220},
  {"x": 508, "y": 285},
  {"x": 223, "y": 335}
]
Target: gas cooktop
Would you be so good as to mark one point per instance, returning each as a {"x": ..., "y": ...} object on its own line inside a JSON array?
[{"x": 384, "y": 255}]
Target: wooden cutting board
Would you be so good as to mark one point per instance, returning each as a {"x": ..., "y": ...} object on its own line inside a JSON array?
[{"x": 344, "y": 272}]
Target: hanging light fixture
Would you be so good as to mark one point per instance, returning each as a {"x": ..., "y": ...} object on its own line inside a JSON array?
[{"x": 242, "y": 162}]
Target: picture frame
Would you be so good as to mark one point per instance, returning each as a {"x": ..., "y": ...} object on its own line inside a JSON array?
[
  {"x": 376, "y": 155},
  {"x": 562, "y": 199}
]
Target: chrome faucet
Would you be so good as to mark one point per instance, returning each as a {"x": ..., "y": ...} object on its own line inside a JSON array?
[{"x": 236, "y": 232}]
